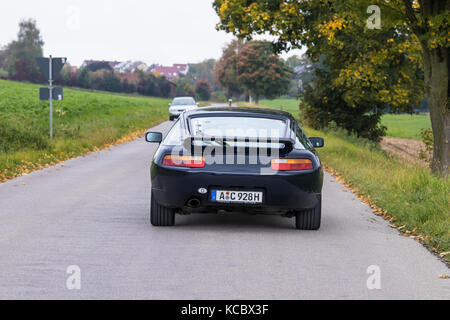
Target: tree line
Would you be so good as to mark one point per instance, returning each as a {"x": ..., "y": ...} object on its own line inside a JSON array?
[
  {"x": 18, "y": 59},
  {"x": 246, "y": 68}
]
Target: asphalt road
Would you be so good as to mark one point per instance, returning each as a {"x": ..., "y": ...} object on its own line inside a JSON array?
[{"x": 93, "y": 212}]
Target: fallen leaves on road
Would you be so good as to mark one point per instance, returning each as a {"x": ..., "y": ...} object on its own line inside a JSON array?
[{"x": 444, "y": 276}]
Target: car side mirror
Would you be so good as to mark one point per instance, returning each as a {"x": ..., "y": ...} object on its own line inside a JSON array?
[
  {"x": 170, "y": 104},
  {"x": 317, "y": 142},
  {"x": 155, "y": 137},
  {"x": 197, "y": 103}
]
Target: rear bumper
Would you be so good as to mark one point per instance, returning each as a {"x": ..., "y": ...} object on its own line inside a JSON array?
[
  {"x": 282, "y": 193},
  {"x": 175, "y": 113}
]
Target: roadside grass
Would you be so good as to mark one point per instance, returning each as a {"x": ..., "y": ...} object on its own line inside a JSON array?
[
  {"x": 411, "y": 198},
  {"x": 83, "y": 122},
  {"x": 405, "y": 125}
]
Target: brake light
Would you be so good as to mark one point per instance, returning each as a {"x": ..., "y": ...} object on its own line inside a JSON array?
[
  {"x": 184, "y": 161},
  {"x": 291, "y": 164}
]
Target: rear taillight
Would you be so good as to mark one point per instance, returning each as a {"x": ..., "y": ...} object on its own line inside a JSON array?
[
  {"x": 291, "y": 164},
  {"x": 184, "y": 161}
]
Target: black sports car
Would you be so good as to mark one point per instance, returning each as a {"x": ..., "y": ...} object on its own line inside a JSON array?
[{"x": 236, "y": 159}]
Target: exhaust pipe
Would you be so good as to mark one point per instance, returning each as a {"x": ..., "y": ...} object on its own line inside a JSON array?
[{"x": 193, "y": 203}]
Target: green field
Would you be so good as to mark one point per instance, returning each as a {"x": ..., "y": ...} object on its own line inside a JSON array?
[
  {"x": 83, "y": 121},
  {"x": 405, "y": 125},
  {"x": 412, "y": 196},
  {"x": 398, "y": 125},
  {"x": 289, "y": 105}
]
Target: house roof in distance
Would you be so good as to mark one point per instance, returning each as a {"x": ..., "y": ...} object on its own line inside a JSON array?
[{"x": 168, "y": 72}]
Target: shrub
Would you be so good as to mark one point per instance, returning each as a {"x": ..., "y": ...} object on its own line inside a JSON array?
[
  {"x": 184, "y": 88},
  {"x": 110, "y": 82},
  {"x": 218, "y": 96},
  {"x": 203, "y": 90},
  {"x": 26, "y": 71},
  {"x": 84, "y": 80},
  {"x": 147, "y": 85},
  {"x": 128, "y": 87},
  {"x": 324, "y": 104},
  {"x": 427, "y": 138}
]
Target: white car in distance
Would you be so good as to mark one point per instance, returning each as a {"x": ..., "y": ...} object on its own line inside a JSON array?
[{"x": 181, "y": 104}]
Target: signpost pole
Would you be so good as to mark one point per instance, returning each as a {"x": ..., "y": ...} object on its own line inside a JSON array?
[
  {"x": 50, "y": 80},
  {"x": 48, "y": 68}
]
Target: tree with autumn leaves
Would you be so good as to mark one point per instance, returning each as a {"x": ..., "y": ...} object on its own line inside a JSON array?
[
  {"x": 203, "y": 90},
  {"x": 225, "y": 69},
  {"x": 252, "y": 68},
  {"x": 364, "y": 66},
  {"x": 261, "y": 72},
  {"x": 361, "y": 74}
]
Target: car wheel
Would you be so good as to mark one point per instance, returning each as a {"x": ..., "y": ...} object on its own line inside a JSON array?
[
  {"x": 161, "y": 216},
  {"x": 309, "y": 219},
  {"x": 170, "y": 118}
]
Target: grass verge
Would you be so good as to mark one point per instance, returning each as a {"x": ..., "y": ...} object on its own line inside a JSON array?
[
  {"x": 412, "y": 199},
  {"x": 83, "y": 122}
]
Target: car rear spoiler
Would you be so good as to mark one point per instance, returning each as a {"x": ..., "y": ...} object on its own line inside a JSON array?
[{"x": 286, "y": 144}]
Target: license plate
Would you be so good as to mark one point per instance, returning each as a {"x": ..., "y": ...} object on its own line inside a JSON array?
[{"x": 234, "y": 196}]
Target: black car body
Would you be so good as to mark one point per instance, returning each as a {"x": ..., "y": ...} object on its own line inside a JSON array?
[{"x": 287, "y": 181}]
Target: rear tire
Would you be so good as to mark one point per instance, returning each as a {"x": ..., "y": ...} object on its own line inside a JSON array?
[
  {"x": 161, "y": 216},
  {"x": 309, "y": 219},
  {"x": 170, "y": 118}
]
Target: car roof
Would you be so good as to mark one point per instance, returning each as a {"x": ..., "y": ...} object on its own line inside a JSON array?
[
  {"x": 176, "y": 98},
  {"x": 271, "y": 113}
]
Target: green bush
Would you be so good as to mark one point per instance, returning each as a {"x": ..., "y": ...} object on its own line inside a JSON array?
[
  {"x": 203, "y": 90},
  {"x": 218, "y": 96},
  {"x": 324, "y": 104}
]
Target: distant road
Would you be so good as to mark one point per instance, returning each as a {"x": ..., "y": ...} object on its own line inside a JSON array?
[{"x": 94, "y": 213}]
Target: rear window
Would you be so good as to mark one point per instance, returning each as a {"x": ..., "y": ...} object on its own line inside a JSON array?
[
  {"x": 183, "y": 101},
  {"x": 239, "y": 127}
]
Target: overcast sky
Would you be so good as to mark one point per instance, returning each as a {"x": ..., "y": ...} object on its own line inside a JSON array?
[{"x": 154, "y": 31}]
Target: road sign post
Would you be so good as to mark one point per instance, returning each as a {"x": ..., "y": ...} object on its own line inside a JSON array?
[
  {"x": 50, "y": 81},
  {"x": 50, "y": 68}
]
